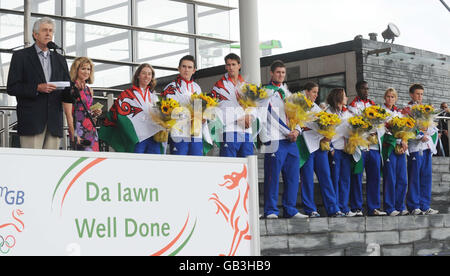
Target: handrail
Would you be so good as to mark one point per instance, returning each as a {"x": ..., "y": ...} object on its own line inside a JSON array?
[{"x": 8, "y": 108}]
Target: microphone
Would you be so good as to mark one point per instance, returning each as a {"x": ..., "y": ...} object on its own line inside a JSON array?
[{"x": 52, "y": 46}]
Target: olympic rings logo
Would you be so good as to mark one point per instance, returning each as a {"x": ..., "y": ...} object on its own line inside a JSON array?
[{"x": 6, "y": 244}]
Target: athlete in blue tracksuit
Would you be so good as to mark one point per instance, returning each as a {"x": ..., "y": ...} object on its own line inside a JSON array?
[
  {"x": 371, "y": 159},
  {"x": 237, "y": 122},
  {"x": 281, "y": 152},
  {"x": 181, "y": 142},
  {"x": 394, "y": 169},
  {"x": 420, "y": 149},
  {"x": 318, "y": 163},
  {"x": 341, "y": 161}
]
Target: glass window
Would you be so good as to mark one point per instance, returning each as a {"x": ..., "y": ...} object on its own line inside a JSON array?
[
  {"x": 107, "y": 75},
  {"x": 165, "y": 15},
  {"x": 164, "y": 73},
  {"x": 162, "y": 50},
  {"x": 46, "y": 6},
  {"x": 326, "y": 84},
  {"x": 12, "y": 5},
  {"x": 97, "y": 42},
  {"x": 105, "y": 43},
  {"x": 213, "y": 22},
  {"x": 5, "y": 60},
  {"x": 112, "y": 11},
  {"x": 218, "y": 2},
  {"x": 11, "y": 31},
  {"x": 211, "y": 53}
]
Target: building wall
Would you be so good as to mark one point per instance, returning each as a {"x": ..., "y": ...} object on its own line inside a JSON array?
[
  {"x": 320, "y": 66},
  {"x": 297, "y": 70},
  {"x": 403, "y": 67},
  {"x": 400, "y": 68}
]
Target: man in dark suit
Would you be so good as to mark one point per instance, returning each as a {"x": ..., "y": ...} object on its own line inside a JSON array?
[{"x": 39, "y": 103}]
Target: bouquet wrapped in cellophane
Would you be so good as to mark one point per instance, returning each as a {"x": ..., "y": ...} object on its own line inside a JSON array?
[
  {"x": 206, "y": 103},
  {"x": 250, "y": 94},
  {"x": 326, "y": 123},
  {"x": 359, "y": 132},
  {"x": 376, "y": 116},
  {"x": 424, "y": 114},
  {"x": 401, "y": 128},
  {"x": 162, "y": 115},
  {"x": 298, "y": 110}
]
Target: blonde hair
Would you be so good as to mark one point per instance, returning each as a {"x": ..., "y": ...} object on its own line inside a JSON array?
[
  {"x": 77, "y": 63},
  {"x": 391, "y": 90}
]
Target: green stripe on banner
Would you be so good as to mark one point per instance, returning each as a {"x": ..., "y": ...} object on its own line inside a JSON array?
[
  {"x": 185, "y": 242},
  {"x": 303, "y": 150},
  {"x": 73, "y": 166}
]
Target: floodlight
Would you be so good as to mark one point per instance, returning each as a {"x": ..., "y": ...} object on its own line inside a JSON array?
[{"x": 391, "y": 33}]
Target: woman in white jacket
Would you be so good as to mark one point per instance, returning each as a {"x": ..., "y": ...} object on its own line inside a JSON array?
[
  {"x": 341, "y": 161},
  {"x": 318, "y": 163},
  {"x": 394, "y": 165}
]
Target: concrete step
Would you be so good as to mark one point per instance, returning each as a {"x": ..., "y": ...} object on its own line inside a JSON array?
[{"x": 385, "y": 236}]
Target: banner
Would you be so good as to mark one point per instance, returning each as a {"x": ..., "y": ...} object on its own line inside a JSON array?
[{"x": 80, "y": 203}]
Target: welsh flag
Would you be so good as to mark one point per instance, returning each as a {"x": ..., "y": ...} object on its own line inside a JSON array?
[
  {"x": 212, "y": 135},
  {"x": 127, "y": 123}
]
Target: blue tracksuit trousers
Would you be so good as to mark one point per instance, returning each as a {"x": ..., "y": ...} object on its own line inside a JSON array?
[
  {"x": 419, "y": 180},
  {"x": 148, "y": 146},
  {"x": 395, "y": 183},
  {"x": 236, "y": 145},
  {"x": 286, "y": 161},
  {"x": 372, "y": 165},
  {"x": 318, "y": 163},
  {"x": 340, "y": 174},
  {"x": 183, "y": 146}
]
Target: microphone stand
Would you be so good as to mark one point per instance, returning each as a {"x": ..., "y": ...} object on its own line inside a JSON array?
[{"x": 75, "y": 92}]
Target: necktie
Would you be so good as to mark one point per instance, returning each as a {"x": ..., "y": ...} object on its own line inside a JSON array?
[{"x": 46, "y": 65}]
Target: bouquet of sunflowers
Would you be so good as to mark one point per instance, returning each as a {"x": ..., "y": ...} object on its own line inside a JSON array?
[
  {"x": 327, "y": 127},
  {"x": 298, "y": 110},
  {"x": 360, "y": 130},
  {"x": 424, "y": 114},
  {"x": 206, "y": 103},
  {"x": 401, "y": 128},
  {"x": 376, "y": 116},
  {"x": 162, "y": 115},
  {"x": 250, "y": 94}
]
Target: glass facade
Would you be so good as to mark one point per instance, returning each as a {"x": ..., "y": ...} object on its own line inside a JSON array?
[{"x": 120, "y": 34}]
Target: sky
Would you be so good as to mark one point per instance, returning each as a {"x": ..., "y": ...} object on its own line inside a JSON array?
[{"x": 303, "y": 24}]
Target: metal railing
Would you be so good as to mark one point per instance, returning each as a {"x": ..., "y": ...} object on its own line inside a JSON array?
[
  {"x": 8, "y": 124},
  {"x": 6, "y": 128}
]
